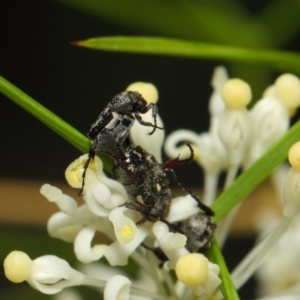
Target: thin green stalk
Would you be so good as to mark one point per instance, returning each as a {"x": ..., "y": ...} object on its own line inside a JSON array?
[
  {"x": 278, "y": 60},
  {"x": 66, "y": 131},
  {"x": 260, "y": 170},
  {"x": 227, "y": 287}
]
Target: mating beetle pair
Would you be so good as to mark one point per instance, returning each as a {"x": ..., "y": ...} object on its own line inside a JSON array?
[
  {"x": 109, "y": 133},
  {"x": 144, "y": 179}
]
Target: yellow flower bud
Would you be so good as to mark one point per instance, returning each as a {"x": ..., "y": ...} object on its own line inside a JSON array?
[
  {"x": 17, "y": 266},
  {"x": 294, "y": 156},
  {"x": 287, "y": 88},
  {"x": 236, "y": 93},
  {"x": 192, "y": 269},
  {"x": 147, "y": 90}
]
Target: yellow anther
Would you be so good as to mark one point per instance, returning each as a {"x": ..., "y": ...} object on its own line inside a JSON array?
[
  {"x": 294, "y": 156},
  {"x": 74, "y": 171},
  {"x": 126, "y": 231},
  {"x": 17, "y": 266},
  {"x": 287, "y": 88},
  {"x": 147, "y": 90},
  {"x": 192, "y": 269},
  {"x": 236, "y": 93}
]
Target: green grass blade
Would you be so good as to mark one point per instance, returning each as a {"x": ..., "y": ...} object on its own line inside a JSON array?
[
  {"x": 69, "y": 133},
  {"x": 227, "y": 287},
  {"x": 251, "y": 178},
  {"x": 278, "y": 60}
]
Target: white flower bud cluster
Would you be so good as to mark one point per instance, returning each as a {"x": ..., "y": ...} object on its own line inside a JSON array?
[
  {"x": 79, "y": 224},
  {"x": 270, "y": 116},
  {"x": 237, "y": 137},
  {"x": 102, "y": 212}
]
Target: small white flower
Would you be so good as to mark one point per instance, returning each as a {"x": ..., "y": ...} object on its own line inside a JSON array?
[
  {"x": 234, "y": 127},
  {"x": 270, "y": 116},
  {"x": 139, "y": 133},
  {"x": 265, "y": 130},
  {"x": 209, "y": 151},
  {"x": 117, "y": 288},
  {"x": 48, "y": 274},
  {"x": 80, "y": 230},
  {"x": 83, "y": 248},
  {"x": 101, "y": 193},
  {"x": 182, "y": 208},
  {"x": 171, "y": 243},
  {"x": 144, "y": 285},
  {"x": 117, "y": 254},
  {"x": 125, "y": 228},
  {"x": 63, "y": 227},
  {"x": 235, "y": 133},
  {"x": 173, "y": 143},
  {"x": 216, "y": 103}
]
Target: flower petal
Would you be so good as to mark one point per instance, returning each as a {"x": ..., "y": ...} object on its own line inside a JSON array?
[
  {"x": 117, "y": 288},
  {"x": 125, "y": 228},
  {"x": 65, "y": 203},
  {"x": 83, "y": 249}
]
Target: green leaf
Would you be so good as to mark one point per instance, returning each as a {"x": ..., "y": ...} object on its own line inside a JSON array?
[
  {"x": 227, "y": 287},
  {"x": 278, "y": 60},
  {"x": 66, "y": 131},
  {"x": 260, "y": 170}
]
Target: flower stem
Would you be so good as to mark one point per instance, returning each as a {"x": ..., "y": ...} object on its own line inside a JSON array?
[{"x": 227, "y": 286}]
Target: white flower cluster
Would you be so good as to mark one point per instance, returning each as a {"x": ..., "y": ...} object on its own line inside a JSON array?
[
  {"x": 237, "y": 137},
  {"x": 102, "y": 213}
]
